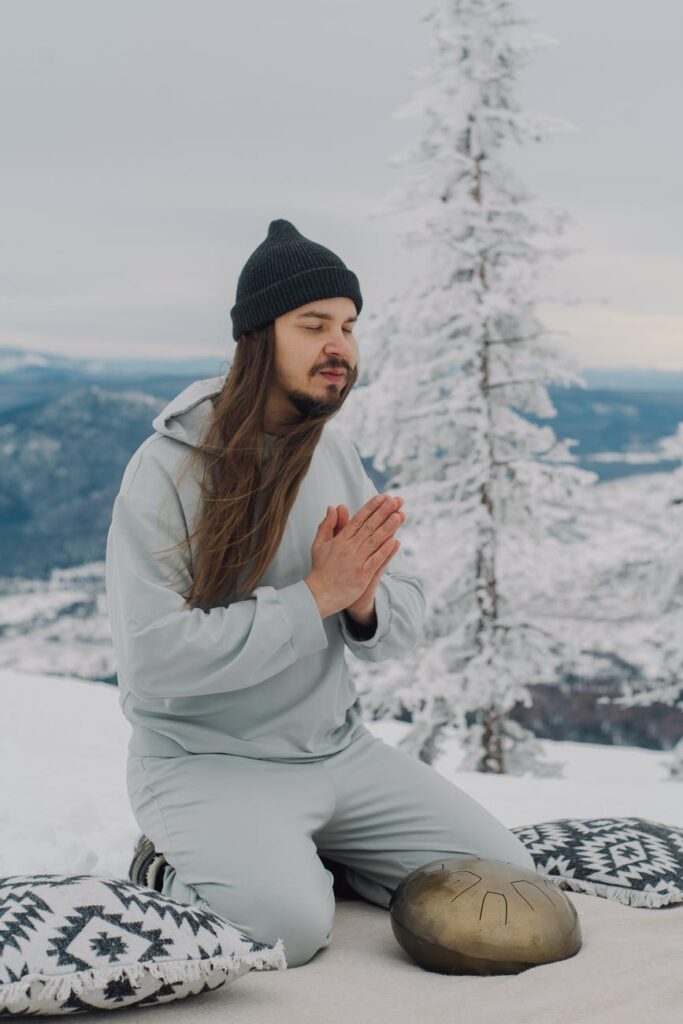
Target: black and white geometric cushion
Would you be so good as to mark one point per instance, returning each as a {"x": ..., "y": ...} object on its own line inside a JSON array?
[
  {"x": 633, "y": 860},
  {"x": 72, "y": 943}
]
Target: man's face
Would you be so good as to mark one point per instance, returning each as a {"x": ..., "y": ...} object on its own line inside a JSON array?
[{"x": 314, "y": 337}]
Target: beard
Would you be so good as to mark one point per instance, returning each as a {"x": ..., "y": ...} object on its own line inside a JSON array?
[{"x": 311, "y": 406}]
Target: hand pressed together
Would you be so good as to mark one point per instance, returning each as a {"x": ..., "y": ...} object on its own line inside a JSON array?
[
  {"x": 348, "y": 556},
  {"x": 363, "y": 607}
]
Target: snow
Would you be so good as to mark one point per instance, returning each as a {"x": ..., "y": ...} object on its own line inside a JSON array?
[
  {"x": 64, "y": 806},
  {"x": 14, "y": 359}
]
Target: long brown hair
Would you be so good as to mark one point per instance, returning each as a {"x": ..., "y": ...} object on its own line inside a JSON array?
[{"x": 234, "y": 486}]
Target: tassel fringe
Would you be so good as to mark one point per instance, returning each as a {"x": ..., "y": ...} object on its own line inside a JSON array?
[
  {"x": 57, "y": 988},
  {"x": 629, "y": 897}
]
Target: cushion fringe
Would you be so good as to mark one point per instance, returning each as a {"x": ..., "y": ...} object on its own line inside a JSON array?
[
  {"x": 629, "y": 897},
  {"x": 57, "y": 987}
]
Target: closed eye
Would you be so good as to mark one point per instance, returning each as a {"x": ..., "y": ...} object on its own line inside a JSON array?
[{"x": 349, "y": 331}]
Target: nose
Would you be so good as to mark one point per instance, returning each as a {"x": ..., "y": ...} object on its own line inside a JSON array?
[{"x": 340, "y": 353}]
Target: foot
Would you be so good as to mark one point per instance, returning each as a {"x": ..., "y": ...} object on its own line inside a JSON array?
[{"x": 147, "y": 866}]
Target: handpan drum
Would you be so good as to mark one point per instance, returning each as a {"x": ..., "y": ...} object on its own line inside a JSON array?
[{"x": 473, "y": 915}]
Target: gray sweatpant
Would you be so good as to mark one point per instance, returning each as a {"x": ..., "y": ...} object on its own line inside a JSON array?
[{"x": 242, "y": 835}]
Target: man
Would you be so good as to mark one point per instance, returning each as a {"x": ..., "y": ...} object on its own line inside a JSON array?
[{"x": 232, "y": 594}]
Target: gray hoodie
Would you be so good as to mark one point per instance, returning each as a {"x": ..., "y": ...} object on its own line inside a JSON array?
[{"x": 263, "y": 677}]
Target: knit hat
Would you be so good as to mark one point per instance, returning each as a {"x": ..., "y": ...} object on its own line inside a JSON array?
[{"x": 286, "y": 271}]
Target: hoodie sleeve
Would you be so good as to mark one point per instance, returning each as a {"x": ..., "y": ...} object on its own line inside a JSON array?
[
  {"x": 399, "y": 601},
  {"x": 163, "y": 647}
]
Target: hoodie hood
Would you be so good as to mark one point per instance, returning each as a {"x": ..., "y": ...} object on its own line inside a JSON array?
[{"x": 186, "y": 416}]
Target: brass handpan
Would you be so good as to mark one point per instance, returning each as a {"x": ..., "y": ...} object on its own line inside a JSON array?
[{"x": 472, "y": 915}]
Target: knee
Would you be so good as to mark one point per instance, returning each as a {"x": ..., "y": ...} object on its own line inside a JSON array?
[
  {"x": 304, "y": 930},
  {"x": 515, "y": 852},
  {"x": 512, "y": 850},
  {"x": 497, "y": 842},
  {"x": 303, "y": 922}
]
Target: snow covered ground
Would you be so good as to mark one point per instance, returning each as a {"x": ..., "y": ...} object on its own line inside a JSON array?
[{"x": 64, "y": 806}]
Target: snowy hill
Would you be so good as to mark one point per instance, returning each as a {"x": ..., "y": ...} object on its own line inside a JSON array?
[{"x": 68, "y": 809}]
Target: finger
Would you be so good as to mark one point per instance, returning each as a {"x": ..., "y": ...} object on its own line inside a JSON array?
[
  {"x": 393, "y": 551},
  {"x": 383, "y": 553},
  {"x": 375, "y": 517},
  {"x": 384, "y": 564},
  {"x": 342, "y": 518},
  {"x": 379, "y": 540}
]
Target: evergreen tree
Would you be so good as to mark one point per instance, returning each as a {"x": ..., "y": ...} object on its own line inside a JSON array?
[
  {"x": 449, "y": 366},
  {"x": 657, "y": 651}
]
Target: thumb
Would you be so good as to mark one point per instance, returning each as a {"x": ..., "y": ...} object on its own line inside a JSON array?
[{"x": 330, "y": 519}]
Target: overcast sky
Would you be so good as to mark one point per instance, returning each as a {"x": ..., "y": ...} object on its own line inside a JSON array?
[{"x": 147, "y": 144}]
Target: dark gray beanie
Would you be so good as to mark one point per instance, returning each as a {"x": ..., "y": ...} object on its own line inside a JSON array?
[{"x": 286, "y": 271}]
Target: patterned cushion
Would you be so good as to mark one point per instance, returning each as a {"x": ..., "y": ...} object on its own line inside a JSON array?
[
  {"x": 632, "y": 860},
  {"x": 72, "y": 943}
]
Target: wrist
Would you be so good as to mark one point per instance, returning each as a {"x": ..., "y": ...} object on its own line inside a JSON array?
[
  {"x": 363, "y": 616},
  {"x": 319, "y": 598},
  {"x": 362, "y": 624}
]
